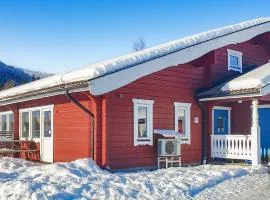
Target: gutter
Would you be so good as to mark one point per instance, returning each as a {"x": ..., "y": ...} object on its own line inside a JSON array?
[{"x": 77, "y": 103}]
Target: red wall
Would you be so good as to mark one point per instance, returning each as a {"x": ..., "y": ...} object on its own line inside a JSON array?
[
  {"x": 72, "y": 126},
  {"x": 175, "y": 84},
  {"x": 252, "y": 55}
]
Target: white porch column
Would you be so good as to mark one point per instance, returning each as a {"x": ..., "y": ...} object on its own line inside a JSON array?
[{"x": 255, "y": 133}]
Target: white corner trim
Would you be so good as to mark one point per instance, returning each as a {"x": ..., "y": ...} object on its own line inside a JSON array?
[
  {"x": 229, "y": 117},
  {"x": 187, "y": 108},
  {"x": 149, "y": 105}
]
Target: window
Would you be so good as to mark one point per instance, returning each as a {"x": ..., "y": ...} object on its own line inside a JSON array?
[
  {"x": 47, "y": 127},
  {"x": 31, "y": 120},
  {"x": 36, "y": 124},
  {"x": 143, "y": 122},
  {"x": 182, "y": 120},
  {"x": 234, "y": 60},
  {"x": 25, "y": 125},
  {"x": 6, "y": 121}
]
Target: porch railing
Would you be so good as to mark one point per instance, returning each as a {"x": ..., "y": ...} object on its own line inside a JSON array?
[{"x": 231, "y": 146}]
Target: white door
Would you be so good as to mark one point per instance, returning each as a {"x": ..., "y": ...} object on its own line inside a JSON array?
[{"x": 46, "y": 145}]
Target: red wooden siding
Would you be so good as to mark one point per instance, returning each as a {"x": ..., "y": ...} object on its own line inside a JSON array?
[
  {"x": 72, "y": 126},
  {"x": 252, "y": 55},
  {"x": 175, "y": 84}
]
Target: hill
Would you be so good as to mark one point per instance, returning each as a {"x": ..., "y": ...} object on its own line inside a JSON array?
[{"x": 11, "y": 76}]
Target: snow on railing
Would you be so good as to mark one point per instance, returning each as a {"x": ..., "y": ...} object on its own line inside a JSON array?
[{"x": 231, "y": 146}]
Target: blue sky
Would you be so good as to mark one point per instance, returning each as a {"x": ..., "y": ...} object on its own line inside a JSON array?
[{"x": 56, "y": 36}]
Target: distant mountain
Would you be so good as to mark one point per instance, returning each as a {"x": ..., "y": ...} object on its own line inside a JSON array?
[
  {"x": 35, "y": 73},
  {"x": 11, "y": 76}
]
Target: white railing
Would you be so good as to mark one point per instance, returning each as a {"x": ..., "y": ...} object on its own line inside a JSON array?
[{"x": 231, "y": 146}]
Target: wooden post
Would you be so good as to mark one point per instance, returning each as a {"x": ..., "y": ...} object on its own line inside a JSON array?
[{"x": 255, "y": 133}]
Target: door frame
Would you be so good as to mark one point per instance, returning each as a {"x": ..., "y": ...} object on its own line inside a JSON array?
[
  {"x": 42, "y": 131},
  {"x": 229, "y": 117}
]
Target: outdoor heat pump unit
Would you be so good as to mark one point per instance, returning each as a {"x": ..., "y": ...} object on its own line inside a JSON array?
[{"x": 169, "y": 147}]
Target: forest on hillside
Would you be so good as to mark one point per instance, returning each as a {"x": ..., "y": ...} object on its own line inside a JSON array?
[{"x": 12, "y": 76}]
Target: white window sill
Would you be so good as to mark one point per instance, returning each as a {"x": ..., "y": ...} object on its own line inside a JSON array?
[
  {"x": 144, "y": 142},
  {"x": 185, "y": 141}
]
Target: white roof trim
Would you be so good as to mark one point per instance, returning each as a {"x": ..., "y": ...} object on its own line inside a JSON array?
[{"x": 114, "y": 73}]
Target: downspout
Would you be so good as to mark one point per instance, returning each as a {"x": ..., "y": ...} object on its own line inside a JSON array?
[
  {"x": 204, "y": 118},
  {"x": 77, "y": 103}
]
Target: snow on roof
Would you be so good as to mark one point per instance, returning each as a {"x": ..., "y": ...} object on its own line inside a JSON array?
[
  {"x": 256, "y": 78},
  {"x": 133, "y": 63}
]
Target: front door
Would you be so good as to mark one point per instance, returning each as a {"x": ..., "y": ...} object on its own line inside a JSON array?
[
  {"x": 46, "y": 146},
  {"x": 221, "y": 121},
  {"x": 264, "y": 121}
]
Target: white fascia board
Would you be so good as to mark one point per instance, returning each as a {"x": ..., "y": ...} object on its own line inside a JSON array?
[
  {"x": 121, "y": 78},
  {"x": 265, "y": 90}
]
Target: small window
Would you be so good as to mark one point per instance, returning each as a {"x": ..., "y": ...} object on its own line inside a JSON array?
[
  {"x": 234, "y": 60},
  {"x": 36, "y": 124},
  {"x": 47, "y": 126},
  {"x": 182, "y": 120},
  {"x": 11, "y": 122},
  {"x": 25, "y": 125},
  {"x": 143, "y": 122},
  {"x": 6, "y": 121}
]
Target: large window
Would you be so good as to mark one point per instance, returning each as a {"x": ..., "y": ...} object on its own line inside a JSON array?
[
  {"x": 182, "y": 120},
  {"x": 143, "y": 122},
  {"x": 31, "y": 121},
  {"x": 6, "y": 121},
  {"x": 235, "y": 60}
]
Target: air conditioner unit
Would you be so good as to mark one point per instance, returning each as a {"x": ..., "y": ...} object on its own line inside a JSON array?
[{"x": 169, "y": 147}]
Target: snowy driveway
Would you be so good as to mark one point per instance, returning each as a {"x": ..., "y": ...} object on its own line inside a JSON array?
[
  {"x": 82, "y": 179},
  {"x": 256, "y": 186}
]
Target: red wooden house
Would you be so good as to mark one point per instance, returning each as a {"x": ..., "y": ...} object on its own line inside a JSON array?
[{"x": 208, "y": 86}]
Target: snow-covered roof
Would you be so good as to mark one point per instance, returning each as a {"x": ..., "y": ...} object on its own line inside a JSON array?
[
  {"x": 256, "y": 78},
  {"x": 111, "y": 74},
  {"x": 254, "y": 82}
]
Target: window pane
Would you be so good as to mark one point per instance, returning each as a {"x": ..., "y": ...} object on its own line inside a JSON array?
[
  {"x": 35, "y": 124},
  {"x": 25, "y": 124},
  {"x": 11, "y": 122},
  {"x": 47, "y": 124},
  {"x": 234, "y": 60},
  {"x": 4, "y": 123},
  {"x": 142, "y": 122},
  {"x": 220, "y": 123},
  {"x": 181, "y": 121}
]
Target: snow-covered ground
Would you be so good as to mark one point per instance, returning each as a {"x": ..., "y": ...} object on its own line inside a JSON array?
[
  {"x": 251, "y": 187},
  {"x": 82, "y": 179}
]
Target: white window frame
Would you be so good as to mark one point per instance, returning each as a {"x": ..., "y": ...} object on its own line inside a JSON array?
[
  {"x": 237, "y": 54},
  {"x": 149, "y": 105},
  {"x": 7, "y": 113},
  {"x": 187, "y": 107},
  {"x": 29, "y": 110},
  {"x": 229, "y": 109}
]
